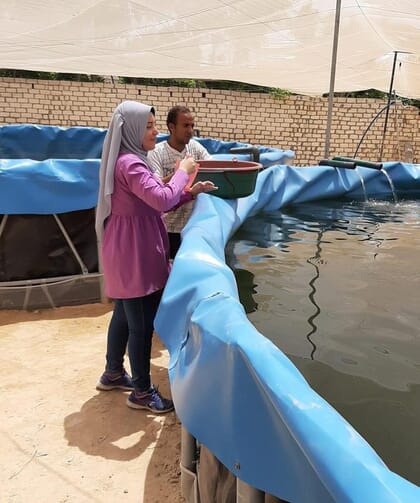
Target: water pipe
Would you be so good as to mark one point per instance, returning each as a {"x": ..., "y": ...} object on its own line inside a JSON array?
[
  {"x": 372, "y": 122},
  {"x": 337, "y": 163},
  {"x": 361, "y": 162}
]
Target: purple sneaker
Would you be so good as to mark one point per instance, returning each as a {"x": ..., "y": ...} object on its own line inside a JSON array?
[
  {"x": 151, "y": 400},
  {"x": 109, "y": 381}
]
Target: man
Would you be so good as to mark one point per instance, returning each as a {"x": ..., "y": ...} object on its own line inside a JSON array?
[{"x": 163, "y": 159}]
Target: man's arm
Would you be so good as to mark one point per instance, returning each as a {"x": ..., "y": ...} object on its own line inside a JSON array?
[
  {"x": 166, "y": 179},
  {"x": 160, "y": 160},
  {"x": 200, "y": 152},
  {"x": 205, "y": 154},
  {"x": 154, "y": 162}
]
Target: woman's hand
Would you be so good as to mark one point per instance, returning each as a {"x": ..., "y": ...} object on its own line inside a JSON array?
[
  {"x": 189, "y": 165},
  {"x": 199, "y": 187}
]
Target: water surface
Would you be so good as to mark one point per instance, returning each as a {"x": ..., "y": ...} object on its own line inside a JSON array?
[{"x": 336, "y": 286}]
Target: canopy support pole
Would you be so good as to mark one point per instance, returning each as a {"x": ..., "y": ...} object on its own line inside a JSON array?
[
  {"x": 391, "y": 85},
  {"x": 332, "y": 79}
]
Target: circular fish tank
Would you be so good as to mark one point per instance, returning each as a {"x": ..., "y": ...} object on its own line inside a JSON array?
[{"x": 233, "y": 178}]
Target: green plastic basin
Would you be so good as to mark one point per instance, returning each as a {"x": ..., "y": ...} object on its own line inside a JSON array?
[{"x": 234, "y": 178}]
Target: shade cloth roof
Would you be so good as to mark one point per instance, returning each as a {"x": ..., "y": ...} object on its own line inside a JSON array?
[{"x": 277, "y": 43}]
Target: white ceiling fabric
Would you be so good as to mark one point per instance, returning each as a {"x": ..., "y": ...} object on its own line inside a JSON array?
[{"x": 277, "y": 43}]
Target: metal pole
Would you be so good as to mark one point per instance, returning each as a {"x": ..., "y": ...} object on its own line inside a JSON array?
[
  {"x": 388, "y": 104},
  {"x": 3, "y": 224},
  {"x": 104, "y": 298},
  {"x": 248, "y": 494},
  {"x": 332, "y": 79},
  {"x": 188, "y": 450},
  {"x": 188, "y": 464},
  {"x": 71, "y": 245},
  {"x": 56, "y": 280}
]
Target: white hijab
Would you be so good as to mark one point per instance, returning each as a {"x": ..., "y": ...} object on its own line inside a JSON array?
[{"x": 125, "y": 134}]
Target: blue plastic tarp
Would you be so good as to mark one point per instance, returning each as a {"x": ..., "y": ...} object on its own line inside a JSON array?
[
  {"x": 47, "y": 187},
  {"x": 31, "y": 141},
  {"x": 233, "y": 389},
  {"x": 268, "y": 156},
  {"x": 51, "y": 169}
]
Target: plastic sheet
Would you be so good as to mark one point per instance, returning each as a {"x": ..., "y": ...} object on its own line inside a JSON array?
[
  {"x": 269, "y": 156},
  {"x": 50, "y": 169},
  {"x": 283, "y": 45},
  {"x": 46, "y": 187},
  {"x": 233, "y": 389},
  {"x": 31, "y": 141}
]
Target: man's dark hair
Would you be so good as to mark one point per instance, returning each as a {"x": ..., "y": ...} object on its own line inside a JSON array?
[{"x": 174, "y": 112}]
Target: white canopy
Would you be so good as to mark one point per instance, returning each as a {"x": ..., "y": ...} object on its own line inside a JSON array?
[{"x": 277, "y": 43}]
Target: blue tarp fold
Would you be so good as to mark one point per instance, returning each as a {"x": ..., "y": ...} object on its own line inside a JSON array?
[
  {"x": 31, "y": 141},
  {"x": 47, "y": 187},
  {"x": 233, "y": 389},
  {"x": 51, "y": 169}
]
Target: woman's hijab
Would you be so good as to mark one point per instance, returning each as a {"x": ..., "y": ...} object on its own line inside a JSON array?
[{"x": 125, "y": 134}]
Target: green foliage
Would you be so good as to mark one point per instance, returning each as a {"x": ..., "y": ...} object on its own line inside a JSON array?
[
  {"x": 158, "y": 82},
  {"x": 279, "y": 94},
  {"x": 366, "y": 93},
  {"x": 228, "y": 85},
  {"x": 374, "y": 93},
  {"x": 28, "y": 74}
]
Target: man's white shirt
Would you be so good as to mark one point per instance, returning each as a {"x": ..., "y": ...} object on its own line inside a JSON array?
[{"x": 162, "y": 160}]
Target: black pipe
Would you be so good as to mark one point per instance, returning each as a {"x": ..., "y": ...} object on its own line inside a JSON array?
[
  {"x": 247, "y": 150},
  {"x": 361, "y": 162},
  {"x": 337, "y": 164},
  {"x": 372, "y": 122}
]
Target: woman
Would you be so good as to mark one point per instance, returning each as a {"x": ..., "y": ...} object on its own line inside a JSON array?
[{"x": 135, "y": 247}]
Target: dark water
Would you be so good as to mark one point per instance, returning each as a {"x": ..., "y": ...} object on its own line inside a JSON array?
[{"x": 336, "y": 286}]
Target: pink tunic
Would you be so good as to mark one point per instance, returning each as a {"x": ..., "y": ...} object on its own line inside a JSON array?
[{"x": 135, "y": 249}]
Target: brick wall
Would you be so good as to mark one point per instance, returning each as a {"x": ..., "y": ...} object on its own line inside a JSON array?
[{"x": 296, "y": 122}]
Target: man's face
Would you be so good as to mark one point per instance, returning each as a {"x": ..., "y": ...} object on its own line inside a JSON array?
[{"x": 183, "y": 130}]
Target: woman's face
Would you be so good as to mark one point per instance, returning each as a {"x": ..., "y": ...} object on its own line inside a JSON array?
[{"x": 149, "y": 140}]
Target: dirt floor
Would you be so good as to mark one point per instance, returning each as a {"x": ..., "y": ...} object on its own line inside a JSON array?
[{"x": 63, "y": 441}]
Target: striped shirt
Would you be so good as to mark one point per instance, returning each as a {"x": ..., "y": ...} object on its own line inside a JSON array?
[{"x": 162, "y": 160}]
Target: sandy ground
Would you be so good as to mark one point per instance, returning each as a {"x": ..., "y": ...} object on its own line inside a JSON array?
[{"x": 61, "y": 441}]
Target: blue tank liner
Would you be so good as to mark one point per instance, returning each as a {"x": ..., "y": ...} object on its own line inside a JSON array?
[
  {"x": 269, "y": 156},
  {"x": 47, "y": 187},
  {"x": 220, "y": 151},
  {"x": 235, "y": 391},
  {"x": 52, "y": 169},
  {"x": 31, "y": 141}
]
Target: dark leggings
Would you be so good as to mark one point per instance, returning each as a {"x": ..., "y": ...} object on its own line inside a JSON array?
[
  {"x": 132, "y": 326},
  {"x": 174, "y": 243}
]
